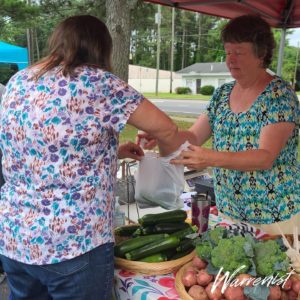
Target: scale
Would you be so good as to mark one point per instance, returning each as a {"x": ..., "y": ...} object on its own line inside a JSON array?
[{"x": 200, "y": 182}]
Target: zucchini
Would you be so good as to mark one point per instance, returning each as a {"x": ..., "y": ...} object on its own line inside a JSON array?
[
  {"x": 169, "y": 253},
  {"x": 159, "y": 257},
  {"x": 131, "y": 244},
  {"x": 172, "y": 216},
  {"x": 162, "y": 228},
  {"x": 185, "y": 244},
  {"x": 153, "y": 248},
  {"x": 181, "y": 254},
  {"x": 126, "y": 230},
  {"x": 181, "y": 234},
  {"x": 170, "y": 227},
  {"x": 138, "y": 232},
  {"x": 149, "y": 230}
]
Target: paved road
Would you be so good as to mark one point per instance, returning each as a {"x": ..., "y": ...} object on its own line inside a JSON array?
[{"x": 183, "y": 107}]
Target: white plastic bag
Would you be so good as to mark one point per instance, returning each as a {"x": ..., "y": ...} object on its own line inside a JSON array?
[{"x": 159, "y": 183}]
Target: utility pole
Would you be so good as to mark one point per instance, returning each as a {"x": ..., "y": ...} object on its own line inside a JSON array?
[
  {"x": 29, "y": 41},
  {"x": 157, "y": 21},
  {"x": 172, "y": 50},
  {"x": 296, "y": 66}
]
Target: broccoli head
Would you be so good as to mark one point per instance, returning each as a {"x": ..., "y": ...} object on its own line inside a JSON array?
[
  {"x": 230, "y": 254},
  {"x": 213, "y": 236},
  {"x": 203, "y": 250},
  {"x": 270, "y": 259}
]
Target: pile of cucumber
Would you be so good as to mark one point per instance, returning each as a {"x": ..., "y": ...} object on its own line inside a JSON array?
[{"x": 157, "y": 238}]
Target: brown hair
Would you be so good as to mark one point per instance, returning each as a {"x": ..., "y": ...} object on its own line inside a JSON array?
[
  {"x": 252, "y": 29},
  {"x": 76, "y": 41}
]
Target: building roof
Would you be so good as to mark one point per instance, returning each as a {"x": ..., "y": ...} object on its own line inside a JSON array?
[{"x": 207, "y": 68}]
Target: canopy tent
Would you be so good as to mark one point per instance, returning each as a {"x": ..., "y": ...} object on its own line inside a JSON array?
[
  {"x": 278, "y": 13},
  {"x": 13, "y": 55}
]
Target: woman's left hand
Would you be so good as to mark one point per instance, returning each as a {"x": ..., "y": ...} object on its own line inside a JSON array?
[
  {"x": 196, "y": 158},
  {"x": 130, "y": 150}
]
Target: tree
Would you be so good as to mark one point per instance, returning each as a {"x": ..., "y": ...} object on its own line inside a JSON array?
[{"x": 118, "y": 13}]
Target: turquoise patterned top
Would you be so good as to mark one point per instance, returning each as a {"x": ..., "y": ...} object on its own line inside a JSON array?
[
  {"x": 257, "y": 197},
  {"x": 59, "y": 139}
]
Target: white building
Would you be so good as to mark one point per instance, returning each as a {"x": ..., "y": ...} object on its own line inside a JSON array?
[
  {"x": 143, "y": 79},
  {"x": 201, "y": 74}
]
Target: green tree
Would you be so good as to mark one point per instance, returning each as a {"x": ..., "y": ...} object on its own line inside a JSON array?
[{"x": 118, "y": 20}]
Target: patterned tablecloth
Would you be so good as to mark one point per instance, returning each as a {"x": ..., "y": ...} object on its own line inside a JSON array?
[{"x": 131, "y": 286}]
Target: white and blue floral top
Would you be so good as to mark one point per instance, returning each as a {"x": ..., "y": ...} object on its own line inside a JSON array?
[
  {"x": 258, "y": 197},
  {"x": 59, "y": 139}
]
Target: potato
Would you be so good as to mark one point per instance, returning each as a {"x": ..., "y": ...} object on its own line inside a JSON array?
[
  {"x": 192, "y": 268},
  {"x": 199, "y": 263},
  {"x": 234, "y": 293},
  {"x": 189, "y": 278},
  {"x": 203, "y": 278},
  {"x": 296, "y": 286},
  {"x": 245, "y": 280},
  {"x": 292, "y": 295},
  {"x": 275, "y": 293},
  {"x": 287, "y": 285},
  {"x": 284, "y": 295},
  {"x": 197, "y": 292},
  {"x": 216, "y": 294}
]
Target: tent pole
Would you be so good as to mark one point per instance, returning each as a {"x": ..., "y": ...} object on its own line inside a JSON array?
[{"x": 280, "y": 52}]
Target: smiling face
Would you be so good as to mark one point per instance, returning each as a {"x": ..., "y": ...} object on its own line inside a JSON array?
[{"x": 242, "y": 61}]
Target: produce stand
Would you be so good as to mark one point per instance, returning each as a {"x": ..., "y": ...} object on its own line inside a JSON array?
[{"x": 133, "y": 285}]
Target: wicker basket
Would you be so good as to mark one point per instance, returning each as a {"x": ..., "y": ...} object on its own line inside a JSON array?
[
  {"x": 150, "y": 268},
  {"x": 179, "y": 285},
  {"x": 153, "y": 268}
]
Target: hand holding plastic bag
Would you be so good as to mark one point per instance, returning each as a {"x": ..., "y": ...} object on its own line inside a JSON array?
[{"x": 159, "y": 183}]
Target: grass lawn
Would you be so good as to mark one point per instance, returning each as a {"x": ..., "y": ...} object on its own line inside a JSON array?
[
  {"x": 130, "y": 132},
  {"x": 176, "y": 96}
]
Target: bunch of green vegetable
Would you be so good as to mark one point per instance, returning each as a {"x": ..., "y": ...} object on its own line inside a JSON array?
[
  {"x": 222, "y": 248},
  {"x": 270, "y": 259},
  {"x": 157, "y": 238}
]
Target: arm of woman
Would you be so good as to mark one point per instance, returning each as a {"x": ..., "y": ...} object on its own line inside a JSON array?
[
  {"x": 148, "y": 118},
  {"x": 197, "y": 134},
  {"x": 272, "y": 140}
]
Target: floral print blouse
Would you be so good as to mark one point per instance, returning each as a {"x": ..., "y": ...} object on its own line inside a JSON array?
[
  {"x": 59, "y": 139},
  {"x": 257, "y": 197}
]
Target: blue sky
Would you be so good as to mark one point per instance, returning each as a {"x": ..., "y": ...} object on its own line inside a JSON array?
[{"x": 294, "y": 38}]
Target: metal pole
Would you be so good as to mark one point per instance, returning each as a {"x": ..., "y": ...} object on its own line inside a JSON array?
[
  {"x": 29, "y": 41},
  {"x": 280, "y": 52},
  {"x": 157, "y": 21},
  {"x": 296, "y": 67},
  {"x": 28, "y": 35},
  {"x": 172, "y": 50}
]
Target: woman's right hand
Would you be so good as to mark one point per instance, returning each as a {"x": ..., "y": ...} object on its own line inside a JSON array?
[{"x": 145, "y": 140}]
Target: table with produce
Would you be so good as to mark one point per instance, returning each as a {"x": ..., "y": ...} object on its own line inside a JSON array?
[{"x": 164, "y": 257}]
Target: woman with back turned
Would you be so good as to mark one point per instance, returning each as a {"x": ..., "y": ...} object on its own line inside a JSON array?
[{"x": 60, "y": 121}]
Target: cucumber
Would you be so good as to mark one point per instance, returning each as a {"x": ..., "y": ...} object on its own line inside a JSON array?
[
  {"x": 153, "y": 248},
  {"x": 159, "y": 257},
  {"x": 126, "y": 230},
  {"x": 172, "y": 216},
  {"x": 131, "y": 244},
  {"x": 181, "y": 234}
]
